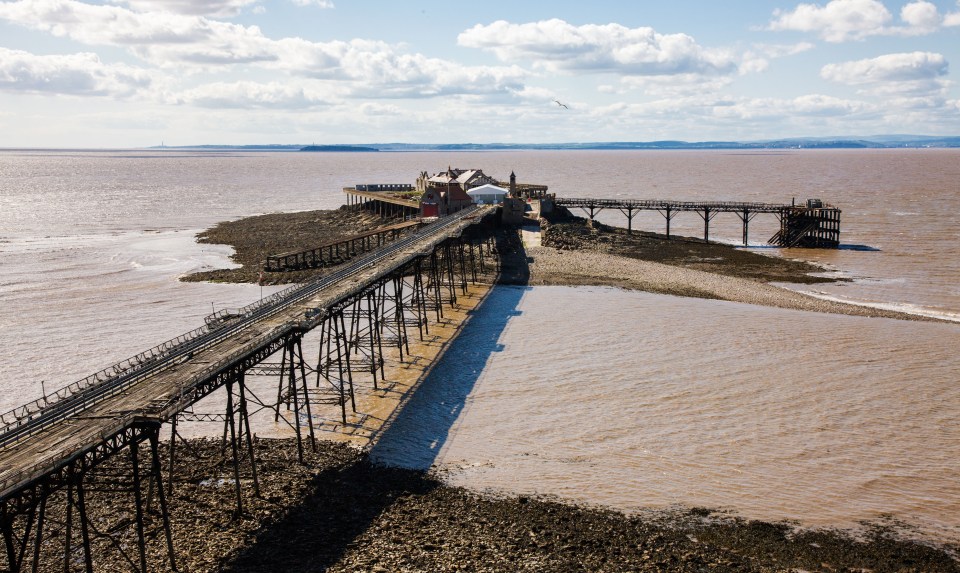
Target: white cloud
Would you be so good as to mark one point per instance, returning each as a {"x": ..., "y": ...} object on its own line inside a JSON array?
[
  {"x": 838, "y": 21},
  {"x": 214, "y": 8},
  {"x": 378, "y": 70},
  {"x": 758, "y": 59},
  {"x": 678, "y": 85},
  {"x": 161, "y": 38},
  {"x": 248, "y": 95},
  {"x": 219, "y": 8},
  {"x": 190, "y": 43},
  {"x": 910, "y": 81},
  {"x": 741, "y": 108},
  {"x": 784, "y": 50},
  {"x": 843, "y": 20},
  {"x": 73, "y": 74},
  {"x": 824, "y": 105},
  {"x": 921, "y": 17},
  {"x": 559, "y": 46},
  {"x": 319, "y": 3},
  {"x": 806, "y": 106},
  {"x": 953, "y": 18},
  {"x": 908, "y": 68}
]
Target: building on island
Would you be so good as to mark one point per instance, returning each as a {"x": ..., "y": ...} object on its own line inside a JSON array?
[
  {"x": 445, "y": 193},
  {"x": 466, "y": 179},
  {"x": 488, "y": 194},
  {"x": 442, "y": 194}
]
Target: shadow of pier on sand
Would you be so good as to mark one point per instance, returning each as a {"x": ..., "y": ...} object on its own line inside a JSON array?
[{"x": 344, "y": 502}]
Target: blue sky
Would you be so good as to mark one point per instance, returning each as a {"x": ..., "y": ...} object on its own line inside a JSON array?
[{"x": 128, "y": 73}]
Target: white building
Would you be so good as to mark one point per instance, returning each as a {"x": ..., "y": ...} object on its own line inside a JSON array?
[{"x": 487, "y": 194}]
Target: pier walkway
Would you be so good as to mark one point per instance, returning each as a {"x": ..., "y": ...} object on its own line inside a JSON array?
[
  {"x": 51, "y": 444},
  {"x": 336, "y": 252},
  {"x": 811, "y": 225}
]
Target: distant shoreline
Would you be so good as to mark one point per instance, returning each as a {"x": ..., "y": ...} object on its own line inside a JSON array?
[
  {"x": 339, "y": 149},
  {"x": 487, "y": 148},
  {"x": 905, "y": 142}
]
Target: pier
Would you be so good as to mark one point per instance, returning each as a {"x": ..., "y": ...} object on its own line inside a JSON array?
[
  {"x": 814, "y": 224},
  {"x": 337, "y": 252},
  {"x": 55, "y": 446},
  {"x": 385, "y": 199},
  {"x": 387, "y": 285}
]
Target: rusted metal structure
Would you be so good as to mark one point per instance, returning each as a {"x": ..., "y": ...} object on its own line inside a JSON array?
[
  {"x": 56, "y": 449},
  {"x": 336, "y": 252},
  {"x": 387, "y": 199},
  {"x": 813, "y": 225}
]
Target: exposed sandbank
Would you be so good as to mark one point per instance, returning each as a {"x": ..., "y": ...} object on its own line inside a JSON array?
[{"x": 575, "y": 253}]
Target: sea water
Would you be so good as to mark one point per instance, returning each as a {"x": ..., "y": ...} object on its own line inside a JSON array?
[{"x": 600, "y": 395}]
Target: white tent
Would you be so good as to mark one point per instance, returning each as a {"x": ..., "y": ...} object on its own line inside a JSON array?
[{"x": 487, "y": 194}]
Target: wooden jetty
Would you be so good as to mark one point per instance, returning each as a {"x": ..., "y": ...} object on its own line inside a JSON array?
[{"x": 814, "y": 224}]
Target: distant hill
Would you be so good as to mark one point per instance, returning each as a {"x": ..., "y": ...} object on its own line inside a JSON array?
[
  {"x": 880, "y": 141},
  {"x": 839, "y": 142},
  {"x": 341, "y": 148}
]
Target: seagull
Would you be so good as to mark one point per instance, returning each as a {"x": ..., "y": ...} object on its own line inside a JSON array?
[{"x": 563, "y": 105}]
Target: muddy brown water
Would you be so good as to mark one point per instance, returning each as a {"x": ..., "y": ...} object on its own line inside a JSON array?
[{"x": 599, "y": 395}]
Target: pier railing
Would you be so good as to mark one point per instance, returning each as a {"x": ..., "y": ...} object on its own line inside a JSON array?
[
  {"x": 16, "y": 417},
  {"x": 814, "y": 225},
  {"x": 660, "y": 204},
  {"x": 77, "y": 396}
]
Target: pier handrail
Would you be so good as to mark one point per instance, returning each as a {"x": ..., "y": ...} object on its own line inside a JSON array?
[
  {"x": 93, "y": 388},
  {"x": 23, "y": 413},
  {"x": 673, "y": 205},
  {"x": 373, "y": 233},
  {"x": 259, "y": 311}
]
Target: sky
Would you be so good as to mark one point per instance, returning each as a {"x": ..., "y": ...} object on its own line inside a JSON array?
[{"x": 138, "y": 73}]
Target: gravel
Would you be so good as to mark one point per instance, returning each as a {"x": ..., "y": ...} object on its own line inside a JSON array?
[{"x": 339, "y": 512}]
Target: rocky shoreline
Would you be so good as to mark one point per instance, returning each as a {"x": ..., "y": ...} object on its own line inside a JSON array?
[
  {"x": 565, "y": 232},
  {"x": 340, "y": 512},
  {"x": 254, "y": 238},
  {"x": 573, "y": 253}
]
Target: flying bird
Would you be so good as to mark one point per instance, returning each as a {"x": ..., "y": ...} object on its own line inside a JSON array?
[{"x": 563, "y": 105}]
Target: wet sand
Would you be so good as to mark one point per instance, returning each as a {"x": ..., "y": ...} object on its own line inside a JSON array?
[
  {"x": 376, "y": 409},
  {"x": 550, "y": 266}
]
